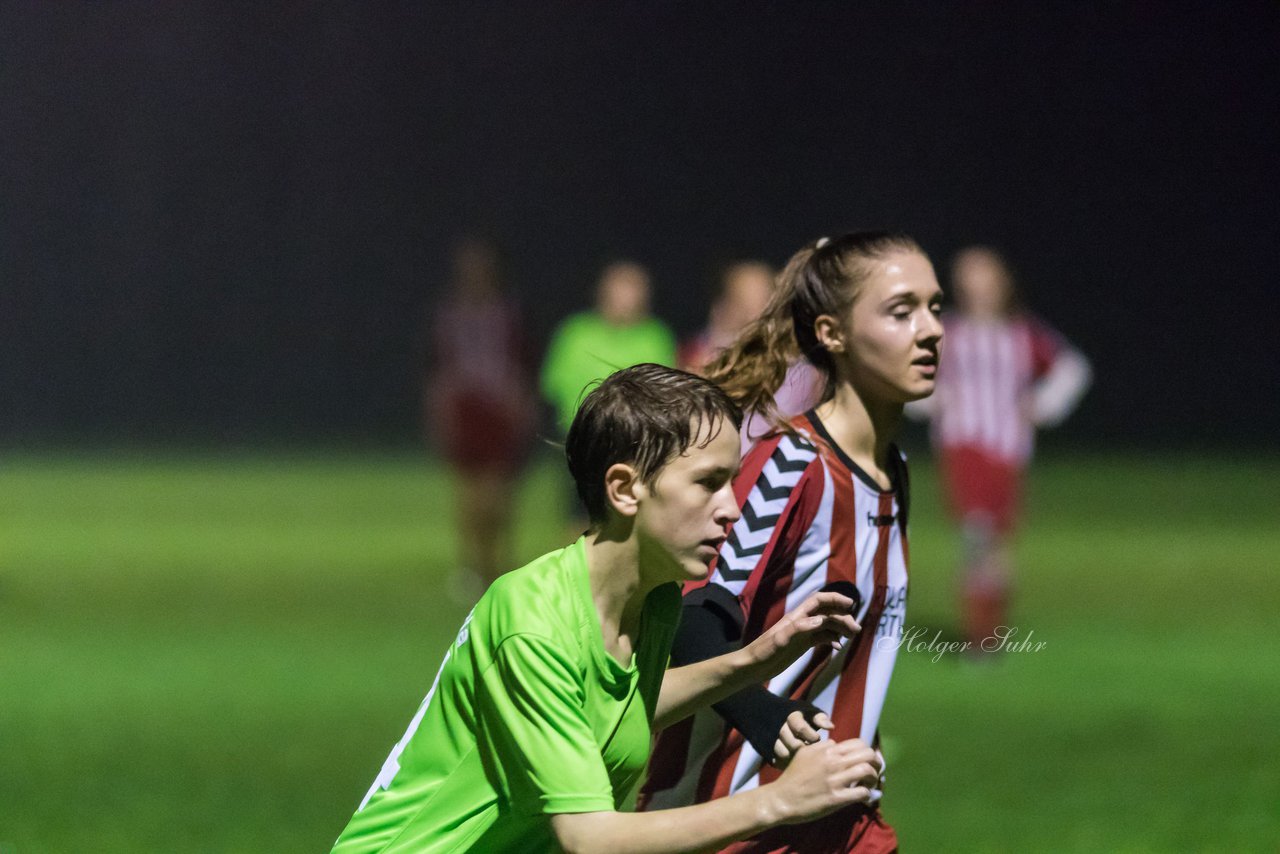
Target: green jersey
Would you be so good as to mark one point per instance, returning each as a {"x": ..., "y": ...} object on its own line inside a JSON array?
[
  {"x": 529, "y": 716},
  {"x": 586, "y": 348}
]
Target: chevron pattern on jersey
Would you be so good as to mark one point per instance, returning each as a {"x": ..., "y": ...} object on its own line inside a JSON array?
[{"x": 750, "y": 535}]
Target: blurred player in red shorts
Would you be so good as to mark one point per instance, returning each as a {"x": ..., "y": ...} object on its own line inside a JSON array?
[
  {"x": 480, "y": 406},
  {"x": 1004, "y": 373}
]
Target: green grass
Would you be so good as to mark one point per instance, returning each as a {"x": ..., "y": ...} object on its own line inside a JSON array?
[{"x": 216, "y": 654}]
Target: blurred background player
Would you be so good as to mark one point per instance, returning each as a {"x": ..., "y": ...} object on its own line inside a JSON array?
[
  {"x": 746, "y": 288},
  {"x": 824, "y": 506},
  {"x": 744, "y": 291},
  {"x": 618, "y": 333},
  {"x": 1004, "y": 373},
  {"x": 481, "y": 408}
]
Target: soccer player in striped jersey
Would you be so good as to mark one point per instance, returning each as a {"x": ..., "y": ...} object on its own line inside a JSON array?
[
  {"x": 1006, "y": 374},
  {"x": 824, "y": 506},
  {"x": 535, "y": 735}
]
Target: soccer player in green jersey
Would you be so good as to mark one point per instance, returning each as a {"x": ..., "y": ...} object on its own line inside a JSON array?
[
  {"x": 618, "y": 333},
  {"x": 537, "y": 730}
]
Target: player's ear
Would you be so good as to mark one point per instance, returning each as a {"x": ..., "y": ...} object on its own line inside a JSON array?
[
  {"x": 623, "y": 489},
  {"x": 829, "y": 334}
]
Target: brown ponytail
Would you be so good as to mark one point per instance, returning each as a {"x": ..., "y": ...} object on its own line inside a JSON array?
[{"x": 822, "y": 278}]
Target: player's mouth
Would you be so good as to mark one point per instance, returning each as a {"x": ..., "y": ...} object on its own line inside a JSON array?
[
  {"x": 928, "y": 365},
  {"x": 708, "y": 549}
]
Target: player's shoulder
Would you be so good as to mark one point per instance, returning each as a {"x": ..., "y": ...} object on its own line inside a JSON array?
[
  {"x": 655, "y": 325},
  {"x": 1029, "y": 321},
  {"x": 785, "y": 450},
  {"x": 540, "y": 598},
  {"x": 582, "y": 324},
  {"x": 777, "y": 464}
]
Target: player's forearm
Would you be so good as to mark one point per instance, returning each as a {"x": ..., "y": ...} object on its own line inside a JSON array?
[
  {"x": 823, "y": 618},
  {"x": 689, "y": 688},
  {"x": 1058, "y": 393},
  {"x": 702, "y": 827}
]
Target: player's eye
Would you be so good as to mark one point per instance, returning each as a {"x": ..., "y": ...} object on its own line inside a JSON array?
[{"x": 712, "y": 483}]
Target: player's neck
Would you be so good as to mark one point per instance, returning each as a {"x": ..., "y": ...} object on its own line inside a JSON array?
[
  {"x": 862, "y": 427},
  {"x": 617, "y": 587}
]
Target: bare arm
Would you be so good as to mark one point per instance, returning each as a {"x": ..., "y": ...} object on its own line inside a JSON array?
[
  {"x": 823, "y": 618},
  {"x": 821, "y": 778}
]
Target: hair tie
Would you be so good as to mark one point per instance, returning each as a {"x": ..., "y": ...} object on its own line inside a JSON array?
[{"x": 822, "y": 241}]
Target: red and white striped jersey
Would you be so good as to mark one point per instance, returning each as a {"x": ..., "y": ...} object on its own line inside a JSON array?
[
  {"x": 810, "y": 517},
  {"x": 986, "y": 379}
]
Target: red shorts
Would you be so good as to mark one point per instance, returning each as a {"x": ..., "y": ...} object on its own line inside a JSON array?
[
  {"x": 853, "y": 830},
  {"x": 483, "y": 435},
  {"x": 977, "y": 483}
]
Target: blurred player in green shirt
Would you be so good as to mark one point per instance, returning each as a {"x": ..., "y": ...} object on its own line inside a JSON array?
[
  {"x": 537, "y": 729},
  {"x": 590, "y": 345}
]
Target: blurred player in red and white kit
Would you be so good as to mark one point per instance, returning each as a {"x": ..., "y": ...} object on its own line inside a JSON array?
[
  {"x": 824, "y": 504},
  {"x": 480, "y": 406},
  {"x": 746, "y": 287},
  {"x": 1005, "y": 373}
]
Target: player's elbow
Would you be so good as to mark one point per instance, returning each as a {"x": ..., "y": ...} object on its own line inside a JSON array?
[{"x": 583, "y": 833}]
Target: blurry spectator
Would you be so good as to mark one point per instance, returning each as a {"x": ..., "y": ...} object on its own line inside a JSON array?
[
  {"x": 590, "y": 345},
  {"x": 481, "y": 408},
  {"x": 745, "y": 290},
  {"x": 1004, "y": 373}
]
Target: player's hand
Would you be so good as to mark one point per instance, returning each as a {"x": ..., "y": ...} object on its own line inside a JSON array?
[
  {"x": 823, "y": 619},
  {"x": 798, "y": 731},
  {"x": 823, "y": 777}
]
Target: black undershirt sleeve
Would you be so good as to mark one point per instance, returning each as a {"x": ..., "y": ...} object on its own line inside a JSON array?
[{"x": 711, "y": 625}]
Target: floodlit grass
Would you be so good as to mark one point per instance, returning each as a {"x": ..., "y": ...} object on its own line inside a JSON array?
[{"x": 216, "y": 654}]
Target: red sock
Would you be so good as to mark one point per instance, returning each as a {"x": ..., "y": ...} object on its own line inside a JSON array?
[{"x": 986, "y": 600}]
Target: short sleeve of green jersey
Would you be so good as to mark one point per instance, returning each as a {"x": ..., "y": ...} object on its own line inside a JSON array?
[{"x": 534, "y": 733}]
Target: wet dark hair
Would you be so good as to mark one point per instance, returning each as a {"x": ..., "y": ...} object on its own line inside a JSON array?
[
  {"x": 645, "y": 415},
  {"x": 822, "y": 278}
]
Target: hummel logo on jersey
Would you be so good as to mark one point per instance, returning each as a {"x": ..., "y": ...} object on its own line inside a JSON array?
[
  {"x": 884, "y": 520},
  {"x": 750, "y": 535}
]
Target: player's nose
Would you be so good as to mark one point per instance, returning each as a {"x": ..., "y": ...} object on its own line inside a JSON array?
[
  {"x": 929, "y": 330},
  {"x": 727, "y": 511}
]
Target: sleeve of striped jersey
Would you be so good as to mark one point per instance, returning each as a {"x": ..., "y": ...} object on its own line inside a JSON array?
[
  {"x": 778, "y": 492},
  {"x": 1046, "y": 344},
  {"x": 1062, "y": 376}
]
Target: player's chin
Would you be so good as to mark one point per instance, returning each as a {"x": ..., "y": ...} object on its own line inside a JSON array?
[
  {"x": 918, "y": 389},
  {"x": 698, "y": 567}
]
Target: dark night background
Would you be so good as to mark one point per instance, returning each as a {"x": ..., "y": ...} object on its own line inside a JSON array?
[{"x": 224, "y": 223}]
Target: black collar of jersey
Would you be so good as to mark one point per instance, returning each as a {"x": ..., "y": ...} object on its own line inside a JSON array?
[{"x": 857, "y": 470}]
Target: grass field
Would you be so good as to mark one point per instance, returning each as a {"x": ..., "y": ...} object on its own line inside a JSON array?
[{"x": 215, "y": 654}]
